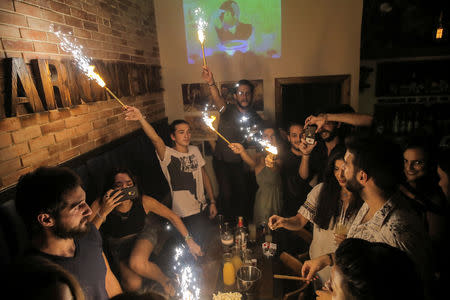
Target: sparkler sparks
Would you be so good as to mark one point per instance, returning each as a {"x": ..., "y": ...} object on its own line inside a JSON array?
[
  {"x": 186, "y": 279},
  {"x": 209, "y": 122},
  {"x": 201, "y": 27},
  {"x": 84, "y": 63}
]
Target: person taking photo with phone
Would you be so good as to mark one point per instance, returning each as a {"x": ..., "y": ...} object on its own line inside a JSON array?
[{"x": 129, "y": 223}]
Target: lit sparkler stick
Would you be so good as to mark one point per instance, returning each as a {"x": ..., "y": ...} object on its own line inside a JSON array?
[
  {"x": 201, "y": 37},
  {"x": 201, "y": 27},
  {"x": 91, "y": 74},
  {"x": 82, "y": 61},
  {"x": 208, "y": 121}
]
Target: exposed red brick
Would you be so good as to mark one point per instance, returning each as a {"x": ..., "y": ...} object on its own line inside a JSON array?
[
  {"x": 83, "y": 129},
  {"x": 99, "y": 123},
  {"x": 59, "y": 7},
  {"x": 17, "y": 45},
  {"x": 9, "y": 31},
  {"x": 66, "y": 155},
  {"x": 73, "y": 21},
  {"x": 34, "y": 158},
  {"x": 26, "y": 134},
  {"x": 41, "y": 142},
  {"x": 53, "y": 127},
  {"x": 45, "y": 47},
  {"x": 90, "y": 8},
  {"x": 79, "y": 110},
  {"x": 79, "y": 140},
  {"x": 78, "y": 13},
  {"x": 64, "y": 134},
  {"x": 9, "y": 166},
  {"x": 59, "y": 114},
  {"x": 5, "y": 140},
  {"x": 86, "y": 147},
  {"x": 9, "y": 124},
  {"x": 31, "y": 34},
  {"x": 98, "y": 36},
  {"x": 34, "y": 119},
  {"x": 14, "y": 177},
  {"x": 27, "y": 9},
  {"x": 90, "y": 26},
  {"x": 52, "y": 16},
  {"x": 38, "y": 24},
  {"x": 53, "y": 149},
  {"x": 6, "y": 4},
  {"x": 13, "y": 151},
  {"x": 82, "y": 33}
]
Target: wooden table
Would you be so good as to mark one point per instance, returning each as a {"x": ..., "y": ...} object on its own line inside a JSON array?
[{"x": 212, "y": 265}]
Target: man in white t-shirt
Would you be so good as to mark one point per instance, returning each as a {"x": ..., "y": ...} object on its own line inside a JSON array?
[{"x": 183, "y": 167}]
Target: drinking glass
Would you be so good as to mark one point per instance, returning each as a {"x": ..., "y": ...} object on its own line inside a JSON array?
[{"x": 226, "y": 237}]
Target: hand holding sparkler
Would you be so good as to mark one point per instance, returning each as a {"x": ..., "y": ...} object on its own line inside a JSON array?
[
  {"x": 133, "y": 114},
  {"x": 194, "y": 248},
  {"x": 207, "y": 75}
]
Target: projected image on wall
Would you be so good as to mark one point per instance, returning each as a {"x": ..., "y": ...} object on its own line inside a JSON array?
[{"x": 233, "y": 26}]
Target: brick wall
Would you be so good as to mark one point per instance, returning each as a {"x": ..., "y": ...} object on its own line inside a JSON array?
[{"x": 109, "y": 30}]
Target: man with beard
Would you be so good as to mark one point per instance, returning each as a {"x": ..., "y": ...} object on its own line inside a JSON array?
[
  {"x": 53, "y": 206},
  {"x": 373, "y": 169},
  {"x": 296, "y": 170},
  {"x": 231, "y": 174},
  {"x": 330, "y": 128}
]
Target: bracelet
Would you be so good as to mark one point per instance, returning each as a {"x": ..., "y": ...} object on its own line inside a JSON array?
[
  {"x": 330, "y": 256},
  {"x": 188, "y": 237}
]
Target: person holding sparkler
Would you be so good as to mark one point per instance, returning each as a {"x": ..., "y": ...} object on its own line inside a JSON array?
[
  {"x": 231, "y": 174},
  {"x": 183, "y": 167},
  {"x": 268, "y": 198}
]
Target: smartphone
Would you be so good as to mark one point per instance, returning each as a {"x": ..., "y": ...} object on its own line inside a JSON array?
[
  {"x": 310, "y": 134},
  {"x": 129, "y": 193}
]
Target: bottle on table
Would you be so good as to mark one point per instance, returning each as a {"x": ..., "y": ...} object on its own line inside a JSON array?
[
  {"x": 229, "y": 273},
  {"x": 241, "y": 235}
]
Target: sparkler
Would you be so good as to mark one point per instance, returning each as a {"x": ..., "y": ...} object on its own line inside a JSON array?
[
  {"x": 186, "y": 278},
  {"x": 251, "y": 133},
  {"x": 208, "y": 121},
  {"x": 201, "y": 27},
  {"x": 82, "y": 61}
]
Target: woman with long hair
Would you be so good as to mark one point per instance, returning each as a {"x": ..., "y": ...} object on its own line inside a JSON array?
[
  {"x": 268, "y": 198},
  {"x": 330, "y": 207},
  {"x": 131, "y": 225}
]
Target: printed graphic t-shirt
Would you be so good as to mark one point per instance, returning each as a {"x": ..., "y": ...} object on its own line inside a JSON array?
[{"x": 183, "y": 172}]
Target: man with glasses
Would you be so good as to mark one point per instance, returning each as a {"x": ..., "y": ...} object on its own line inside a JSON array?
[{"x": 233, "y": 179}]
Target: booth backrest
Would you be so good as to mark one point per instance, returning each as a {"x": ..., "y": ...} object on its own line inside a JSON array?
[{"x": 134, "y": 152}]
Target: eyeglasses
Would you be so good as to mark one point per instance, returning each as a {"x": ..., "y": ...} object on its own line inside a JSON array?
[{"x": 244, "y": 93}]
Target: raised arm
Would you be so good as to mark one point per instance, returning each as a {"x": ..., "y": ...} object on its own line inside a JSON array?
[
  {"x": 306, "y": 150},
  {"x": 208, "y": 77},
  {"x": 152, "y": 205},
  {"x": 132, "y": 113},
  {"x": 356, "y": 119},
  {"x": 239, "y": 149}
]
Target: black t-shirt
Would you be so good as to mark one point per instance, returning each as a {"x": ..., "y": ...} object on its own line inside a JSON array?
[
  {"x": 230, "y": 128},
  {"x": 295, "y": 189},
  {"x": 87, "y": 265}
]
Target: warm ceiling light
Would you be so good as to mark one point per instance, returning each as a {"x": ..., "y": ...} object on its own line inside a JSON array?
[{"x": 440, "y": 29}]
